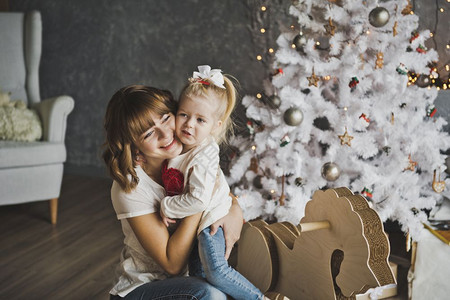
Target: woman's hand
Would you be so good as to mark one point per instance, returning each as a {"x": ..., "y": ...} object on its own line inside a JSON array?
[{"x": 232, "y": 226}]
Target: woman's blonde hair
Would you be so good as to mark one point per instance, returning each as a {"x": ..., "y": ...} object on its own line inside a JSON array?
[
  {"x": 127, "y": 118},
  {"x": 227, "y": 101}
]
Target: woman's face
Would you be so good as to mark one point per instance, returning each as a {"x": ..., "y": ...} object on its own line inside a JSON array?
[{"x": 159, "y": 142}]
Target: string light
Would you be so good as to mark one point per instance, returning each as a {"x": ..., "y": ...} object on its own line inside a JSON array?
[
  {"x": 259, "y": 96},
  {"x": 253, "y": 147},
  {"x": 261, "y": 33},
  {"x": 368, "y": 32},
  {"x": 437, "y": 76}
]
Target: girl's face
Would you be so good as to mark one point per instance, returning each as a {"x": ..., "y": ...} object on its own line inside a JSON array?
[
  {"x": 196, "y": 119},
  {"x": 159, "y": 142}
]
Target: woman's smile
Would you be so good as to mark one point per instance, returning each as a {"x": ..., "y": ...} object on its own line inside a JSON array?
[{"x": 169, "y": 145}]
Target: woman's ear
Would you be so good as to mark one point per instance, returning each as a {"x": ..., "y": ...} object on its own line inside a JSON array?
[{"x": 139, "y": 158}]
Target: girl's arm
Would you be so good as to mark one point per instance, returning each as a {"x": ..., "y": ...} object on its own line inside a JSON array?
[
  {"x": 200, "y": 185},
  {"x": 232, "y": 225},
  {"x": 170, "y": 252}
]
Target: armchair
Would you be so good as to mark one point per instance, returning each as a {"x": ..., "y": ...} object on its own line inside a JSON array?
[{"x": 30, "y": 171}]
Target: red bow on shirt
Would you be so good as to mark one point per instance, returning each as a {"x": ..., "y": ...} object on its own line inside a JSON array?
[{"x": 173, "y": 180}]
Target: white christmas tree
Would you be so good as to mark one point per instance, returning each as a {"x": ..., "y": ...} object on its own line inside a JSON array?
[{"x": 343, "y": 109}]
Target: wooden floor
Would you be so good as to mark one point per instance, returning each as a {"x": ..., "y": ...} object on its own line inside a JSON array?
[{"x": 76, "y": 258}]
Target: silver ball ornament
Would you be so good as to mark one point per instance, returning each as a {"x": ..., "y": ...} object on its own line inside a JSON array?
[
  {"x": 423, "y": 81},
  {"x": 299, "y": 181},
  {"x": 330, "y": 171},
  {"x": 299, "y": 42},
  {"x": 274, "y": 101},
  {"x": 257, "y": 182},
  {"x": 379, "y": 16},
  {"x": 293, "y": 116}
]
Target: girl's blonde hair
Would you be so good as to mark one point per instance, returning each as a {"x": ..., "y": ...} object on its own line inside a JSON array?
[
  {"x": 227, "y": 102},
  {"x": 127, "y": 118}
]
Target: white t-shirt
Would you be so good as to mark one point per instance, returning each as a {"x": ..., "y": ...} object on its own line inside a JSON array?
[
  {"x": 136, "y": 267},
  {"x": 205, "y": 187}
]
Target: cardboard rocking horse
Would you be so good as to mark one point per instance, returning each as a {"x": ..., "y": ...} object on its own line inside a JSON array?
[{"x": 338, "y": 250}]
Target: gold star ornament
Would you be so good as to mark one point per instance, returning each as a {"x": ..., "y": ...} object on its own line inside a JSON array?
[
  {"x": 345, "y": 138},
  {"x": 313, "y": 79}
]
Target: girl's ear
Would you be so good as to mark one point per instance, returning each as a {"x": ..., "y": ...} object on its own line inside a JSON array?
[{"x": 217, "y": 127}]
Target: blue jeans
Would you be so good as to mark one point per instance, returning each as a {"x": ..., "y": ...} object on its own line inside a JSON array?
[
  {"x": 214, "y": 267},
  {"x": 176, "y": 288}
]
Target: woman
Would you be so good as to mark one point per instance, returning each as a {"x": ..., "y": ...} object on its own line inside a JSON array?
[{"x": 140, "y": 126}]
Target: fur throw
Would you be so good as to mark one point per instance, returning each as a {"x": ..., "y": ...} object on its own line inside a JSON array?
[{"x": 17, "y": 122}]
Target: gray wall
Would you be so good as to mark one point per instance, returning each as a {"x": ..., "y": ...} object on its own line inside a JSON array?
[{"x": 92, "y": 48}]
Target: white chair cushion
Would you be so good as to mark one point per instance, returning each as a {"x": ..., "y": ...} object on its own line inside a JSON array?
[{"x": 22, "y": 154}]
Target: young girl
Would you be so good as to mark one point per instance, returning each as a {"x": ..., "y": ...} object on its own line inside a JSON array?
[{"x": 202, "y": 121}]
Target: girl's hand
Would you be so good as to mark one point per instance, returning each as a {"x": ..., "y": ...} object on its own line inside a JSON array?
[
  {"x": 167, "y": 221},
  {"x": 232, "y": 226}
]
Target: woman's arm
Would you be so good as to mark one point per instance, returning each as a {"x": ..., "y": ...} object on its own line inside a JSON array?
[
  {"x": 171, "y": 252},
  {"x": 232, "y": 226}
]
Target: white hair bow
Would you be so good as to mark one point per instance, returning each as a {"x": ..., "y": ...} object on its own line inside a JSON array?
[{"x": 205, "y": 73}]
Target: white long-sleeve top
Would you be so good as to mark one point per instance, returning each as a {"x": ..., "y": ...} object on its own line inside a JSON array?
[{"x": 205, "y": 186}]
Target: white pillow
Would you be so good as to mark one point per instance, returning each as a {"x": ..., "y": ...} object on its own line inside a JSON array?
[{"x": 18, "y": 123}]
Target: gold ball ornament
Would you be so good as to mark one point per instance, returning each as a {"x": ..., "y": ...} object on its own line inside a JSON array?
[
  {"x": 293, "y": 116},
  {"x": 331, "y": 171},
  {"x": 379, "y": 16}
]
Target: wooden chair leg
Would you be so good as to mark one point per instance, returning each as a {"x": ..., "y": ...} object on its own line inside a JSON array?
[{"x": 53, "y": 210}]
